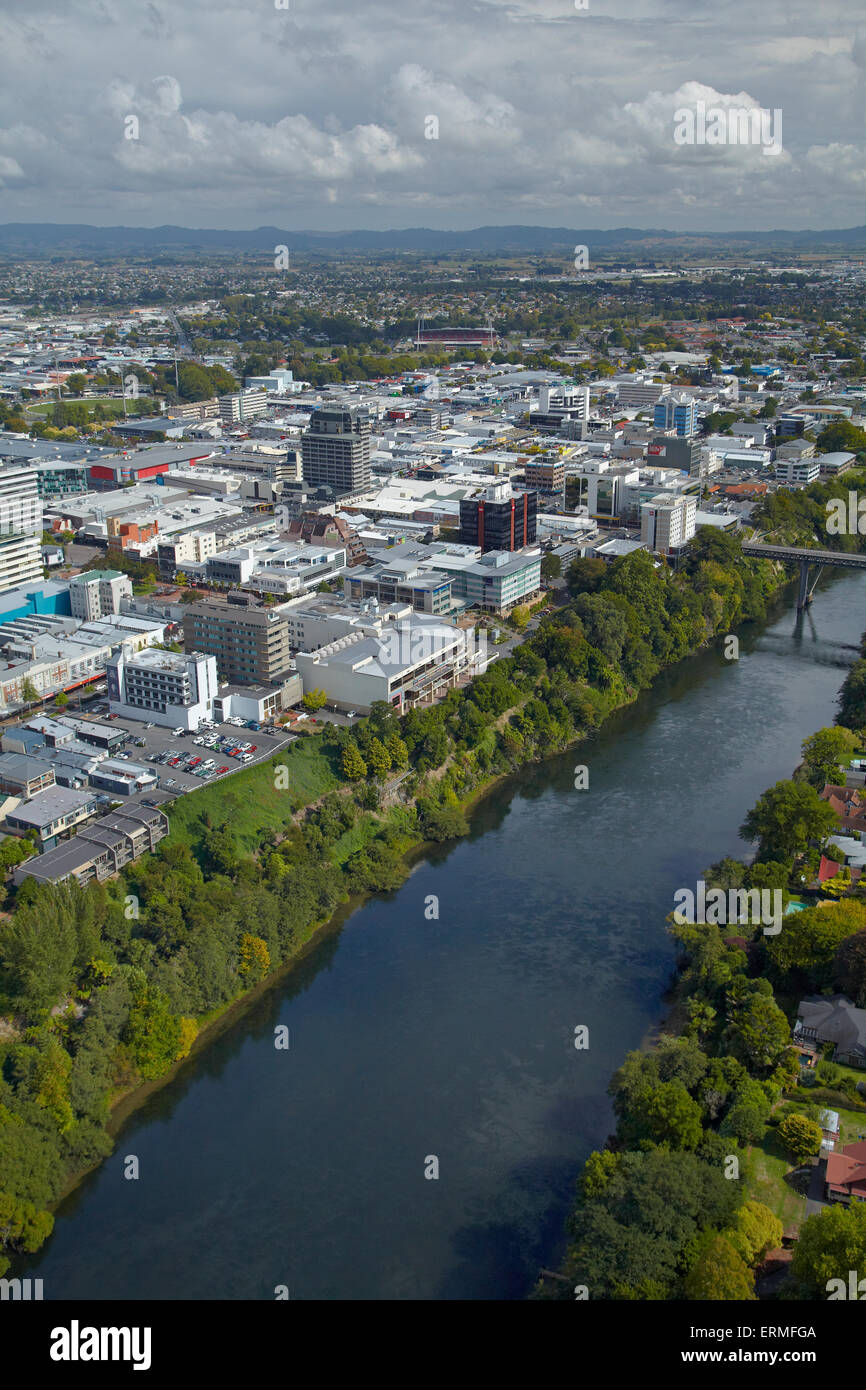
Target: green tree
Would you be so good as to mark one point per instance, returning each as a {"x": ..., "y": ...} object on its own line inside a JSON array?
[
  {"x": 785, "y": 818},
  {"x": 849, "y": 967},
  {"x": 830, "y": 1243},
  {"x": 551, "y": 567},
  {"x": 756, "y": 1230},
  {"x": 315, "y": 700},
  {"x": 61, "y": 699},
  {"x": 354, "y": 766},
  {"x": 801, "y": 1136},
  {"x": 378, "y": 758},
  {"x": 397, "y": 751},
  {"x": 718, "y": 1272},
  {"x": 823, "y": 752}
]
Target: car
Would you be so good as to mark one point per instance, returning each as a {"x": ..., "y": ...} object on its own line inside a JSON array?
[
  {"x": 246, "y": 757},
  {"x": 253, "y": 747},
  {"x": 193, "y": 762},
  {"x": 302, "y": 715},
  {"x": 174, "y": 762},
  {"x": 222, "y": 769},
  {"x": 351, "y": 714},
  {"x": 199, "y": 741},
  {"x": 176, "y": 733},
  {"x": 149, "y": 725},
  {"x": 235, "y": 753},
  {"x": 245, "y": 747}
]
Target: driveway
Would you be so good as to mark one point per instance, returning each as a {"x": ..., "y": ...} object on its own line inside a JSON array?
[{"x": 815, "y": 1194}]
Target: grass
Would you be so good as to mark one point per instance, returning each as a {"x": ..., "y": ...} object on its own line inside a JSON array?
[
  {"x": 769, "y": 1164},
  {"x": 250, "y": 802}
]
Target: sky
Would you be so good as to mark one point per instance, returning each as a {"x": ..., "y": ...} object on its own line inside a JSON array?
[{"x": 340, "y": 114}]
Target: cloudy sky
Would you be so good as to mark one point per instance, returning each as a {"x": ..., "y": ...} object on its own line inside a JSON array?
[{"x": 335, "y": 114}]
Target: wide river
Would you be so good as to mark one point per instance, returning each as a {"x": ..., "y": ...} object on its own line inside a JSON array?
[{"x": 413, "y": 1038}]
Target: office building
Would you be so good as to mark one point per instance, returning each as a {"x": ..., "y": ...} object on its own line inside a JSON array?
[
  {"x": 671, "y": 451},
  {"x": 545, "y": 473},
  {"x": 498, "y": 519},
  {"x": 20, "y": 526},
  {"x": 794, "y": 472},
  {"x": 641, "y": 392},
  {"x": 336, "y": 449},
  {"x": 163, "y": 687},
  {"x": 678, "y": 413}
]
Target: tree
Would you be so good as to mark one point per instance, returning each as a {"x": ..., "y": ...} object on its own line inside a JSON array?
[
  {"x": 759, "y": 1032},
  {"x": 315, "y": 699},
  {"x": 354, "y": 766},
  {"x": 255, "y": 960},
  {"x": 397, "y": 751},
  {"x": 849, "y": 968},
  {"x": 551, "y": 567},
  {"x": 586, "y": 576},
  {"x": 520, "y": 617},
  {"x": 29, "y": 692},
  {"x": 61, "y": 699},
  {"x": 785, "y": 818},
  {"x": 804, "y": 954},
  {"x": 718, "y": 1272},
  {"x": 378, "y": 758},
  {"x": 756, "y": 1230},
  {"x": 801, "y": 1136},
  {"x": 824, "y": 751},
  {"x": 671, "y": 1115},
  {"x": 830, "y": 1244}
]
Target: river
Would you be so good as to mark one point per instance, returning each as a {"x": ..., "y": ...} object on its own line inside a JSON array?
[{"x": 413, "y": 1038}]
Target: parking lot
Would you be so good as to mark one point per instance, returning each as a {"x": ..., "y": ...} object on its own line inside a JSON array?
[{"x": 160, "y": 743}]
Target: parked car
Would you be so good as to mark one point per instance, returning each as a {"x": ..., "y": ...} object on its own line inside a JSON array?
[
  {"x": 222, "y": 769},
  {"x": 193, "y": 762}
]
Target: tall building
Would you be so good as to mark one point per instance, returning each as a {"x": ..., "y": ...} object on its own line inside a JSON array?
[
  {"x": 242, "y": 405},
  {"x": 166, "y": 687},
  {"x": 677, "y": 412},
  {"x": 336, "y": 448},
  {"x": 499, "y": 519},
  {"x": 545, "y": 473},
  {"x": 559, "y": 406},
  {"x": 20, "y": 526},
  {"x": 251, "y": 643},
  {"x": 97, "y": 593},
  {"x": 668, "y": 522}
]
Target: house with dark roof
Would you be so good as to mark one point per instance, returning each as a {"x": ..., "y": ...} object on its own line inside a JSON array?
[
  {"x": 834, "y": 1020},
  {"x": 845, "y": 1179}
]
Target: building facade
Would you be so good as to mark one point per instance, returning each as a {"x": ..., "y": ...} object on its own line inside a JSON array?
[{"x": 336, "y": 449}]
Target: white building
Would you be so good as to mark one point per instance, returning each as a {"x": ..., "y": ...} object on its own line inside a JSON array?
[
  {"x": 20, "y": 526},
  {"x": 97, "y": 593},
  {"x": 797, "y": 472},
  {"x": 667, "y": 522},
  {"x": 163, "y": 687}
]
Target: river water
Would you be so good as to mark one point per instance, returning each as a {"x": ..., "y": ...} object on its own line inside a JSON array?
[{"x": 413, "y": 1039}]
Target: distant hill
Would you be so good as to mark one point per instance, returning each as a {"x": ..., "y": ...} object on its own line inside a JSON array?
[{"x": 47, "y": 238}]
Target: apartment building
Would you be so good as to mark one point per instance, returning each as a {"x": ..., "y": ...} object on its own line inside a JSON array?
[
  {"x": 53, "y": 814},
  {"x": 97, "y": 593},
  {"x": 667, "y": 522},
  {"x": 250, "y": 642},
  {"x": 242, "y": 405},
  {"x": 20, "y": 526},
  {"x": 101, "y": 848}
]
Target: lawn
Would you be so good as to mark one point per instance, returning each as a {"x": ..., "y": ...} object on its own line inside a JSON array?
[
  {"x": 768, "y": 1165},
  {"x": 250, "y": 802}
]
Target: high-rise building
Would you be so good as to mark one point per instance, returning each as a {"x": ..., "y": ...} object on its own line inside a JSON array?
[
  {"x": 250, "y": 641},
  {"x": 336, "y": 449},
  {"x": 677, "y": 412},
  {"x": 20, "y": 526},
  {"x": 545, "y": 473},
  {"x": 499, "y": 519},
  {"x": 666, "y": 523}
]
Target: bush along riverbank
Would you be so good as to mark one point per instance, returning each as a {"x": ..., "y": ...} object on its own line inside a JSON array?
[
  {"x": 104, "y": 989},
  {"x": 718, "y": 1126}
]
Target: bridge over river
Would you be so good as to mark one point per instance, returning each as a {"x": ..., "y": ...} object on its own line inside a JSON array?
[{"x": 804, "y": 557}]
